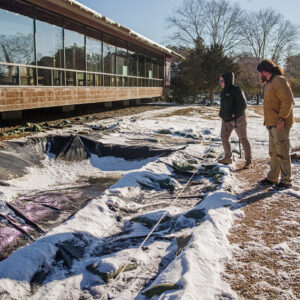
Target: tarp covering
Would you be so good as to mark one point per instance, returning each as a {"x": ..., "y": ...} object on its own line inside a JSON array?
[
  {"x": 15, "y": 157},
  {"x": 32, "y": 215}
]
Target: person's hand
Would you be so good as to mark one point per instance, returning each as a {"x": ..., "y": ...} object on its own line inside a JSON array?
[{"x": 280, "y": 124}]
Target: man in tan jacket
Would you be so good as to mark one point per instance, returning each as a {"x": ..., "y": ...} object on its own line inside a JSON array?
[{"x": 278, "y": 118}]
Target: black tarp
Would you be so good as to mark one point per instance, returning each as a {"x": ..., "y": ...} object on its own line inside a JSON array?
[{"x": 35, "y": 214}]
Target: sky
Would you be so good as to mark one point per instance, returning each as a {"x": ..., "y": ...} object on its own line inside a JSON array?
[{"x": 149, "y": 17}]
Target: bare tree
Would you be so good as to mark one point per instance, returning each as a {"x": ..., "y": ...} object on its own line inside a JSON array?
[
  {"x": 285, "y": 40},
  {"x": 189, "y": 22},
  {"x": 214, "y": 22},
  {"x": 267, "y": 34},
  {"x": 224, "y": 24},
  {"x": 17, "y": 48}
]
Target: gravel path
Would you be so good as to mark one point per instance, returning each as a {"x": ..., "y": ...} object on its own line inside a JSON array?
[{"x": 266, "y": 241}]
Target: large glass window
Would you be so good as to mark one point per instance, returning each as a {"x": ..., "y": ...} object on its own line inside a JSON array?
[
  {"x": 121, "y": 58},
  {"x": 16, "y": 33},
  {"x": 93, "y": 50},
  {"x": 50, "y": 50},
  {"x": 74, "y": 45},
  {"x": 49, "y": 39},
  {"x": 109, "y": 52}
]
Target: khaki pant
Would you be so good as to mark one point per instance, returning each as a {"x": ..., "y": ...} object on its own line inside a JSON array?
[
  {"x": 240, "y": 127},
  {"x": 279, "y": 150}
]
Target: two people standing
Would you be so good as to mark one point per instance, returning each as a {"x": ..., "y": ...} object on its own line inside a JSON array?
[{"x": 278, "y": 119}]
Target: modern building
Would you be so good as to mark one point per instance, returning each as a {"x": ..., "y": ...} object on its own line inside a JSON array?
[{"x": 61, "y": 53}]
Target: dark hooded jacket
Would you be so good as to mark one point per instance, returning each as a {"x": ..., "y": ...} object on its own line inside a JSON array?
[{"x": 233, "y": 100}]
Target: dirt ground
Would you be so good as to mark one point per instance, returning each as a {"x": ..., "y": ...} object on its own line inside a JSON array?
[
  {"x": 53, "y": 117},
  {"x": 266, "y": 260}
]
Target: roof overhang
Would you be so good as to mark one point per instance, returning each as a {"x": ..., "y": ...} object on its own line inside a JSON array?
[{"x": 81, "y": 13}]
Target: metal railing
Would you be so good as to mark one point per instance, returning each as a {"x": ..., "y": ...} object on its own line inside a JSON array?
[{"x": 29, "y": 75}]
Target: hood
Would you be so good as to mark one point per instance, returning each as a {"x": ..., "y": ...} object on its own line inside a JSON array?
[{"x": 228, "y": 79}]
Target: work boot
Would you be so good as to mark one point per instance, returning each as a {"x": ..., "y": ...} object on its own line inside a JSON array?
[
  {"x": 247, "y": 164},
  {"x": 266, "y": 181},
  {"x": 282, "y": 186},
  {"x": 225, "y": 161}
]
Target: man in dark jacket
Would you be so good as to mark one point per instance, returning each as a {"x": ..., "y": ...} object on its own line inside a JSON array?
[{"x": 232, "y": 112}]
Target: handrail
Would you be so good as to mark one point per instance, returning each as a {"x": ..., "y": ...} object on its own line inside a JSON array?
[{"x": 74, "y": 70}]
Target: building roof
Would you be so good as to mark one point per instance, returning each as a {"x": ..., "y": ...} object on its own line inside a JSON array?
[{"x": 88, "y": 16}]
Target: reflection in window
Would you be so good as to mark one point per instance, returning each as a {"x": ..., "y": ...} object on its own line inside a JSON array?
[
  {"x": 141, "y": 65},
  {"x": 70, "y": 78},
  {"x": 134, "y": 82},
  {"x": 109, "y": 52},
  {"x": 74, "y": 45},
  {"x": 155, "y": 68},
  {"x": 113, "y": 81},
  {"x": 98, "y": 80},
  {"x": 132, "y": 63},
  {"x": 9, "y": 75},
  {"x": 121, "y": 58},
  {"x": 121, "y": 81},
  {"x": 132, "y": 60},
  {"x": 81, "y": 79},
  {"x": 107, "y": 80},
  {"x": 58, "y": 78},
  {"x": 27, "y": 76},
  {"x": 49, "y": 39},
  {"x": 44, "y": 77},
  {"x": 94, "y": 51},
  {"x": 90, "y": 79},
  {"x": 149, "y": 68},
  {"x": 83, "y": 49},
  {"x": 161, "y": 69},
  {"x": 16, "y": 33}
]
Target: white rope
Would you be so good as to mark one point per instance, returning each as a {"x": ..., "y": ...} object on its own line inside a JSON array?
[{"x": 150, "y": 233}]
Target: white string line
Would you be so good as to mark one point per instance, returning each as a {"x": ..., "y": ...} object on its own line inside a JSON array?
[{"x": 149, "y": 234}]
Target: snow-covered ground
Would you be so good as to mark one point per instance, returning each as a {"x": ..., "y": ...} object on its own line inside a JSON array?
[{"x": 192, "y": 273}]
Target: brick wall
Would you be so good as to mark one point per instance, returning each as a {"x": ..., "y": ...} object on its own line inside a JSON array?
[{"x": 19, "y": 98}]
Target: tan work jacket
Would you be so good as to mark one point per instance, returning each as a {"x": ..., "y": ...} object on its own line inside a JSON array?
[{"x": 278, "y": 101}]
